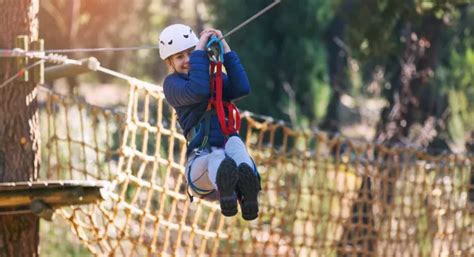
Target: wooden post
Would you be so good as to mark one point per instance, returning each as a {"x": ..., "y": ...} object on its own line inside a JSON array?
[
  {"x": 21, "y": 62},
  {"x": 19, "y": 120},
  {"x": 38, "y": 70}
]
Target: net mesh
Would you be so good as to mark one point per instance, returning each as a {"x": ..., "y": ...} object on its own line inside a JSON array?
[{"x": 322, "y": 195}]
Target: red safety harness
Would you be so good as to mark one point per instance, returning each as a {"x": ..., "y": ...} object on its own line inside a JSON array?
[
  {"x": 227, "y": 113},
  {"x": 231, "y": 125}
]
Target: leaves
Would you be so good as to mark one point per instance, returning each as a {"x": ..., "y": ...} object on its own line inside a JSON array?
[{"x": 282, "y": 47}]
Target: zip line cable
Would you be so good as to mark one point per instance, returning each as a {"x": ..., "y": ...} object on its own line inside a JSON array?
[
  {"x": 13, "y": 53},
  {"x": 102, "y": 49},
  {"x": 40, "y": 54},
  {"x": 20, "y": 73},
  {"x": 264, "y": 10},
  {"x": 54, "y": 58}
]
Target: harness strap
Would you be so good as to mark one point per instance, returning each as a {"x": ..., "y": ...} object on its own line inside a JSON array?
[
  {"x": 231, "y": 124},
  {"x": 207, "y": 128},
  {"x": 201, "y": 192}
]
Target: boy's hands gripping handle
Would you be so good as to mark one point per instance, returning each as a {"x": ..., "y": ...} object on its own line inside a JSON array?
[{"x": 215, "y": 49}]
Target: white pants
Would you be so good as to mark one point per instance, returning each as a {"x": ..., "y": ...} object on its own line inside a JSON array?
[{"x": 204, "y": 165}]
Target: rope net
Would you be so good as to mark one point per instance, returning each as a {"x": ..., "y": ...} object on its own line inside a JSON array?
[{"x": 322, "y": 195}]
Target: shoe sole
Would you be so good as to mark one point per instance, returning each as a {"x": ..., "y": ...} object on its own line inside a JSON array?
[
  {"x": 248, "y": 186},
  {"x": 226, "y": 181}
]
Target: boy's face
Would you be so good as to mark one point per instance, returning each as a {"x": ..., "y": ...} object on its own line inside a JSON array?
[{"x": 180, "y": 62}]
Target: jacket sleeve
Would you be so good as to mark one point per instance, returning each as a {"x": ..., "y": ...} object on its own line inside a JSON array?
[
  {"x": 236, "y": 83},
  {"x": 180, "y": 91}
]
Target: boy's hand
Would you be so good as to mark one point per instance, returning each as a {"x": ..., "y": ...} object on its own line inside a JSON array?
[
  {"x": 218, "y": 34},
  {"x": 206, "y": 34},
  {"x": 204, "y": 38}
]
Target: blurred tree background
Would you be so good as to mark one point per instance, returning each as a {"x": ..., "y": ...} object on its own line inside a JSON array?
[
  {"x": 316, "y": 59},
  {"x": 386, "y": 71},
  {"x": 396, "y": 70}
]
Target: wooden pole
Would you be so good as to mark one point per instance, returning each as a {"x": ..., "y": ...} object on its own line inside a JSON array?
[
  {"x": 21, "y": 62},
  {"x": 19, "y": 131},
  {"x": 38, "y": 70},
  {"x": 71, "y": 70}
]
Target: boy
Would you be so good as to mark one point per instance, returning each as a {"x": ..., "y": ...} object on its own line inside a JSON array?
[{"x": 215, "y": 163}]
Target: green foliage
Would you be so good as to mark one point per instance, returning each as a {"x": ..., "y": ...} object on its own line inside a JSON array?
[
  {"x": 456, "y": 76},
  {"x": 375, "y": 27},
  {"x": 458, "y": 80},
  {"x": 371, "y": 27},
  {"x": 282, "y": 53},
  {"x": 376, "y": 34}
]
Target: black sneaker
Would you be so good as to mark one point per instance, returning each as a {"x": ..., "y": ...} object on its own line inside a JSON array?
[
  {"x": 226, "y": 180},
  {"x": 248, "y": 187}
]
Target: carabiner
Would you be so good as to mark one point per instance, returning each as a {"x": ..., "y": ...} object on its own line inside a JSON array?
[{"x": 215, "y": 49}]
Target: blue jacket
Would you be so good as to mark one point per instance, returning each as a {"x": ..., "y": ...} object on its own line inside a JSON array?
[{"x": 189, "y": 94}]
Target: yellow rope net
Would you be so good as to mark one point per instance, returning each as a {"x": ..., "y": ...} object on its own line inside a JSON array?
[{"x": 322, "y": 195}]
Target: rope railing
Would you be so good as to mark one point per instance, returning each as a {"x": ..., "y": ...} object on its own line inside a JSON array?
[{"x": 53, "y": 56}]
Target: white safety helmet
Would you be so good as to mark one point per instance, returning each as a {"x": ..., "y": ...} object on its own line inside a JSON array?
[{"x": 176, "y": 38}]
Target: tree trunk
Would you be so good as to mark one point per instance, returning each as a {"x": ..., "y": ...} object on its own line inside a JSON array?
[
  {"x": 337, "y": 62},
  {"x": 19, "y": 134}
]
